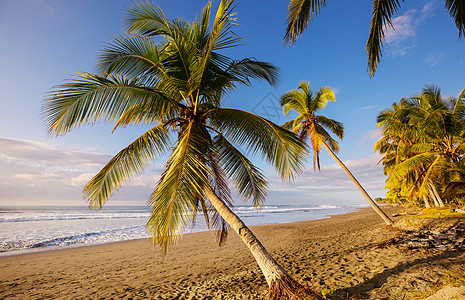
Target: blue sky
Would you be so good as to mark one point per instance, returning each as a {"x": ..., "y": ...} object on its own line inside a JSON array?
[{"x": 45, "y": 41}]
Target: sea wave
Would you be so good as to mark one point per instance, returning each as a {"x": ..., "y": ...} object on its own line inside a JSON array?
[
  {"x": 29, "y": 218},
  {"x": 104, "y": 236}
]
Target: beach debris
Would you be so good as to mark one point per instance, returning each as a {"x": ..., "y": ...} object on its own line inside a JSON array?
[{"x": 436, "y": 235}]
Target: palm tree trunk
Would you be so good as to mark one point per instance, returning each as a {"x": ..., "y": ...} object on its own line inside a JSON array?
[
  {"x": 425, "y": 199},
  {"x": 281, "y": 285},
  {"x": 373, "y": 204},
  {"x": 435, "y": 201},
  {"x": 436, "y": 194}
]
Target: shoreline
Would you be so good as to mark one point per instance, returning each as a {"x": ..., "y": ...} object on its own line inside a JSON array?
[
  {"x": 337, "y": 254},
  {"x": 193, "y": 229}
]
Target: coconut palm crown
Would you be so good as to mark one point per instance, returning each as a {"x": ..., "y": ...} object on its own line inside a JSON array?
[
  {"x": 308, "y": 125},
  {"x": 169, "y": 74},
  {"x": 312, "y": 126},
  {"x": 423, "y": 143}
]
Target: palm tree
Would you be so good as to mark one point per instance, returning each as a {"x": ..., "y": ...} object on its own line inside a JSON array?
[
  {"x": 309, "y": 125},
  {"x": 441, "y": 124},
  {"x": 299, "y": 11},
  {"x": 176, "y": 85}
]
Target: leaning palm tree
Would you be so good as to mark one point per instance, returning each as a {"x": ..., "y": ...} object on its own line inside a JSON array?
[
  {"x": 313, "y": 127},
  {"x": 299, "y": 12},
  {"x": 170, "y": 75}
]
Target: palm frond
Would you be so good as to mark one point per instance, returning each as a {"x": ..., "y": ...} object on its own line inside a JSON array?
[
  {"x": 410, "y": 165},
  {"x": 129, "y": 162},
  {"x": 456, "y": 10},
  {"x": 146, "y": 19},
  {"x": 175, "y": 201},
  {"x": 324, "y": 135},
  {"x": 133, "y": 56},
  {"x": 298, "y": 17},
  {"x": 294, "y": 100},
  {"x": 322, "y": 97},
  {"x": 278, "y": 146},
  {"x": 90, "y": 98},
  {"x": 247, "y": 178},
  {"x": 221, "y": 35},
  {"x": 249, "y": 68},
  {"x": 381, "y": 17},
  {"x": 220, "y": 187},
  {"x": 336, "y": 127}
]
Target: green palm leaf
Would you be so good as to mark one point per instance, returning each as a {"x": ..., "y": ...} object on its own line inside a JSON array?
[
  {"x": 456, "y": 9},
  {"x": 136, "y": 57},
  {"x": 90, "y": 99},
  {"x": 247, "y": 178},
  {"x": 381, "y": 17},
  {"x": 129, "y": 162},
  {"x": 298, "y": 17},
  {"x": 336, "y": 127},
  {"x": 175, "y": 201},
  {"x": 278, "y": 146}
]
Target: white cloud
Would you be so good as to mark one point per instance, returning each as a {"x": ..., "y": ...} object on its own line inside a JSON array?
[
  {"x": 22, "y": 150},
  {"x": 399, "y": 39},
  {"x": 367, "y": 107},
  {"x": 333, "y": 178},
  {"x": 33, "y": 173},
  {"x": 435, "y": 59}
]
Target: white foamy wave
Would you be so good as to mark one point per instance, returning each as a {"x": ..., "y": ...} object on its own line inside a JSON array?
[
  {"x": 113, "y": 235},
  {"x": 40, "y": 228},
  {"x": 280, "y": 209},
  {"x": 29, "y": 215}
]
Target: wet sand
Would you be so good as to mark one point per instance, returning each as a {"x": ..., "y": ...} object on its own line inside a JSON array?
[{"x": 337, "y": 254}]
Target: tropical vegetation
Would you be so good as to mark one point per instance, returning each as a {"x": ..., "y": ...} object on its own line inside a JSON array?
[
  {"x": 299, "y": 12},
  {"x": 423, "y": 149},
  {"x": 170, "y": 75},
  {"x": 313, "y": 127}
]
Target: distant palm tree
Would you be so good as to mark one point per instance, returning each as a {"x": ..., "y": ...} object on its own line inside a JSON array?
[
  {"x": 313, "y": 127},
  {"x": 176, "y": 85},
  {"x": 299, "y": 12},
  {"x": 441, "y": 124}
]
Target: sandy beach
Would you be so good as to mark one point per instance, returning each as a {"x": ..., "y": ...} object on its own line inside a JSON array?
[{"x": 338, "y": 254}]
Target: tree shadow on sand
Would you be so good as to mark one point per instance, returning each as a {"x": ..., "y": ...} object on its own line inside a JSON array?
[{"x": 419, "y": 274}]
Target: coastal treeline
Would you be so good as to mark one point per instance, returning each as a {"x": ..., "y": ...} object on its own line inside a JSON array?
[{"x": 423, "y": 149}]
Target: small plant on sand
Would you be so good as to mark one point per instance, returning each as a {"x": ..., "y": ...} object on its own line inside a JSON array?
[{"x": 169, "y": 74}]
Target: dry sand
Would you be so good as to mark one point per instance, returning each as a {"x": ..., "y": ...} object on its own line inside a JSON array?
[{"x": 338, "y": 254}]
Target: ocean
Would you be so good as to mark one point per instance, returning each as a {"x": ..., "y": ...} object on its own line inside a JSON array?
[{"x": 29, "y": 229}]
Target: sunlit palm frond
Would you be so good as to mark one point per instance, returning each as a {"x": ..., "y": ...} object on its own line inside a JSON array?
[
  {"x": 411, "y": 164},
  {"x": 129, "y": 162},
  {"x": 249, "y": 68},
  {"x": 149, "y": 112},
  {"x": 294, "y": 100},
  {"x": 221, "y": 35},
  {"x": 278, "y": 146},
  {"x": 459, "y": 106},
  {"x": 247, "y": 178},
  {"x": 89, "y": 99},
  {"x": 147, "y": 19},
  {"x": 322, "y": 97},
  {"x": 298, "y": 17},
  {"x": 421, "y": 148},
  {"x": 381, "y": 18},
  {"x": 175, "y": 201},
  {"x": 336, "y": 127},
  {"x": 133, "y": 56},
  {"x": 326, "y": 138}
]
